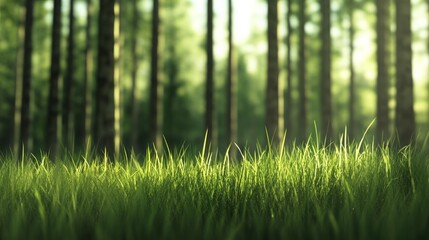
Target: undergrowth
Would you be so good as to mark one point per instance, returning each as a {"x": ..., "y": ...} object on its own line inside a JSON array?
[{"x": 353, "y": 191}]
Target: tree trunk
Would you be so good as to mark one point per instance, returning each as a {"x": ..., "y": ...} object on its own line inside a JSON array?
[
  {"x": 352, "y": 100},
  {"x": 427, "y": 120},
  {"x": 405, "y": 118},
  {"x": 53, "y": 102},
  {"x": 232, "y": 87},
  {"x": 105, "y": 107},
  {"x": 134, "y": 70},
  {"x": 88, "y": 78},
  {"x": 18, "y": 84},
  {"x": 326, "y": 65},
  {"x": 67, "y": 123},
  {"x": 117, "y": 76},
  {"x": 288, "y": 93},
  {"x": 383, "y": 65},
  {"x": 210, "y": 106},
  {"x": 156, "y": 88},
  {"x": 24, "y": 139},
  {"x": 302, "y": 116},
  {"x": 273, "y": 117}
]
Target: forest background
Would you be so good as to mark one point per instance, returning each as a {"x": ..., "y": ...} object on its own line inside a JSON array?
[{"x": 360, "y": 41}]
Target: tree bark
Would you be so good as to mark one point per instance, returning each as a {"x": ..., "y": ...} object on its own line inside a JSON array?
[
  {"x": 383, "y": 65},
  {"x": 117, "y": 76},
  {"x": 88, "y": 77},
  {"x": 24, "y": 138},
  {"x": 67, "y": 123},
  {"x": 134, "y": 70},
  {"x": 325, "y": 67},
  {"x": 272, "y": 118},
  {"x": 210, "y": 106},
  {"x": 302, "y": 69},
  {"x": 156, "y": 87},
  {"x": 18, "y": 83},
  {"x": 288, "y": 93},
  {"x": 231, "y": 86},
  {"x": 53, "y": 101},
  {"x": 105, "y": 107},
  {"x": 405, "y": 116},
  {"x": 352, "y": 90}
]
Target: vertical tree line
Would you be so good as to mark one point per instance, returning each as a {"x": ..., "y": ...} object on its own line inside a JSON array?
[
  {"x": 383, "y": 66},
  {"x": 156, "y": 88},
  {"x": 325, "y": 72},
  {"x": 352, "y": 90},
  {"x": 232, "y": 127},
  {"x": 134, "y": 70},
  {"x": 88, "y": 76},
  {"x": 288, "y": 94},
  {"x": 404, "y": 111},
  {"x": 24, "y": 136},
  {"x": 302, "y": 69},
  {"x": 105, "y": 78},
  {"x": 273, "y": 118},
  {"x": 105, "y": 107},
  {"x": 67, "y": 113},
  {"x": 54, "y": 78},
  {"x": 210, "y": 126}
]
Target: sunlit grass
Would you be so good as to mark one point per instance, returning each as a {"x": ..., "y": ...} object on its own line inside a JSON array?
[{"x": 353, "y": 191}]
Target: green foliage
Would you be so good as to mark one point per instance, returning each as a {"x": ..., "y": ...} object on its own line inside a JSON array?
[{"x": 353, "y": 192}]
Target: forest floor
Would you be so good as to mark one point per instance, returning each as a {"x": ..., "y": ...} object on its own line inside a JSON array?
[{"x": 346, "y": 192}]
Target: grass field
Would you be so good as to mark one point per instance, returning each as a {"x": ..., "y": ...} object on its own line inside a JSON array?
[{"x": 345, "y": 192}]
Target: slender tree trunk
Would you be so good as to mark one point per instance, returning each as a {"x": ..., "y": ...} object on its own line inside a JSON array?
[
  {"x": 210, "y": 106},
  {"x": 67, "y": 123},
  {"x": 134, "y": 70},
  {"x": 88, "y": 78},
  {"x": 53, "y": 101},
  {"x": 117, "y": 76},
  {"x": 273, "y": 117},
  {"x": 302, "y": 117},
  {"x": 24, "y": 139},
  {"x": 427, "y": 3},
  {"x": 383, "y": 65},
  {"x": 18, "y": 83},
  {"x": 326, "y": 65},
  {"x": 405, "y": 116},
  {"x": 105, "y": 106},
  {"x": 288, "y": 94},
  {"x": 352, "y": 100},
  {"x": 172, "y": 70},
  {"x": 156, "y": 88},
  {"x": 231, "y": 86}
]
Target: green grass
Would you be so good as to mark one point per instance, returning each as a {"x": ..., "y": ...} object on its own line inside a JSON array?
[{"x": 352, "y": 192}]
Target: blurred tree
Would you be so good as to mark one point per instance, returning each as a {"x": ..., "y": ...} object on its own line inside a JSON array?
[
  {"x": 288, "y": 94},
  {"x": 117, "y": 75},
  {"x": 273, "y": 117},
  {"x": 67, "y": 116},
  {"x": 53, "y": 101},
  {"x": 302, "y": 69},
  {"x": 105, "y": 106},
  {"x": 24, "y": 138},
  {"x": 156, "y": 87},
  {"x": 88, "y": 76},
  {"x": 352, "y": 90},
  {"x": 405, "y": 117},
  {"x": 18, "y": 83},
  {"x": 134, "y": 70},
  {"x": 383, "y": 65},
  {"x": 325, "y": 68},
  {"x": 231, "y": 86},
  {"x": 210, "y": 126}
]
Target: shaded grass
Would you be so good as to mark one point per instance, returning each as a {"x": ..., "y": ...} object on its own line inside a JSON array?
[{"x": 353, "y": 191}]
